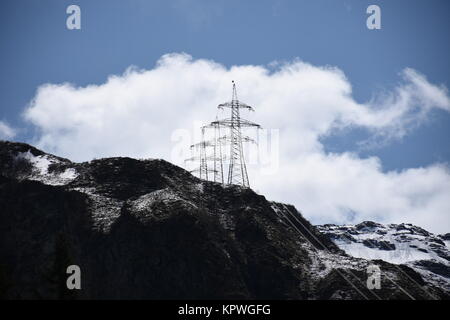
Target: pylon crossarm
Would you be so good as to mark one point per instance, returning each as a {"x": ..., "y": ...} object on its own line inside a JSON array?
[
  {"x": 200, "y": 169},
  {"x": 234, "y": 123},
  {"x": 208, "y": 143},
  {"x": 195, "y": 158},
  {"x": 227, "y": 138},
  {"x": 219, "y": 124},
  {"x": 246, "y": 123},
  {"x": 236, "y": 104},
  {"x": 228, "y": 122}
]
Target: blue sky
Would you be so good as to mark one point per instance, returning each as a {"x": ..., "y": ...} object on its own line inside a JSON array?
[
  {"x": 37, "y": 48},
  {"x": 67, "y": 92}
]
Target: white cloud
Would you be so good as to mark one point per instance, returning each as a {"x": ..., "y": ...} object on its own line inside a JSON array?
[
  {"x": 6, "y": 131},
  {"x": 331, "y": 188},
  {"x": 136, "y": 114}
]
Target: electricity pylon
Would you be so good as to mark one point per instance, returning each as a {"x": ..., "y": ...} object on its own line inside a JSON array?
[
  {"x": 217, "y": 157},
  {"x": 237, "y": 170}
]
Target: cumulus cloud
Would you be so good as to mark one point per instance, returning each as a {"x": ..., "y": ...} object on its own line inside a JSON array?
[
  {"x": 140, "y": 112},
  {"x": 342, "y": 188},
  {"x": 6, "y": 131}
]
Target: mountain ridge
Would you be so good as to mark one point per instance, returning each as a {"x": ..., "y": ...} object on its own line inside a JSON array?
[{"x": 146, "y": 229}]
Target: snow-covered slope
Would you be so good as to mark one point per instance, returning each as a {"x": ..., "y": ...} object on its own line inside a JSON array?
[
  {"x": 47, "y": 169},
  {"x": 404, "y": 243},
  {"x": 24, "y": 162}
]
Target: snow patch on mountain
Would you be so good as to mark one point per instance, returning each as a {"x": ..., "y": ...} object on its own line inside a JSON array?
[
  {"x": 145, "y": 202},
  {"x": 426, "y": 253},
  {"x": 104, "y": 210},
  {"x": 40, "y": 169}
]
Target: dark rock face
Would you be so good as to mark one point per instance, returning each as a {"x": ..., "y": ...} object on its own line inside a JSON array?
[
  {"x": 150, "y": 230},
  {"x": 445, "y": 236},
  {"x": 437, "y": 268},
  {"x": 382, "y": 245},
  {"x": 367, "y": 225}
]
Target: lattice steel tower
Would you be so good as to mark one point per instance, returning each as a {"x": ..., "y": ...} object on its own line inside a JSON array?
[
  {"x": 237, "y": 170},
  {"x": 202, "y": 157}
]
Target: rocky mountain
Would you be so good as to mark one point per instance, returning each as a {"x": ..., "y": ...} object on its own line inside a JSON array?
[
  {"x": 146, "y": 229},
  {"x": 426, "y": 253}
]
